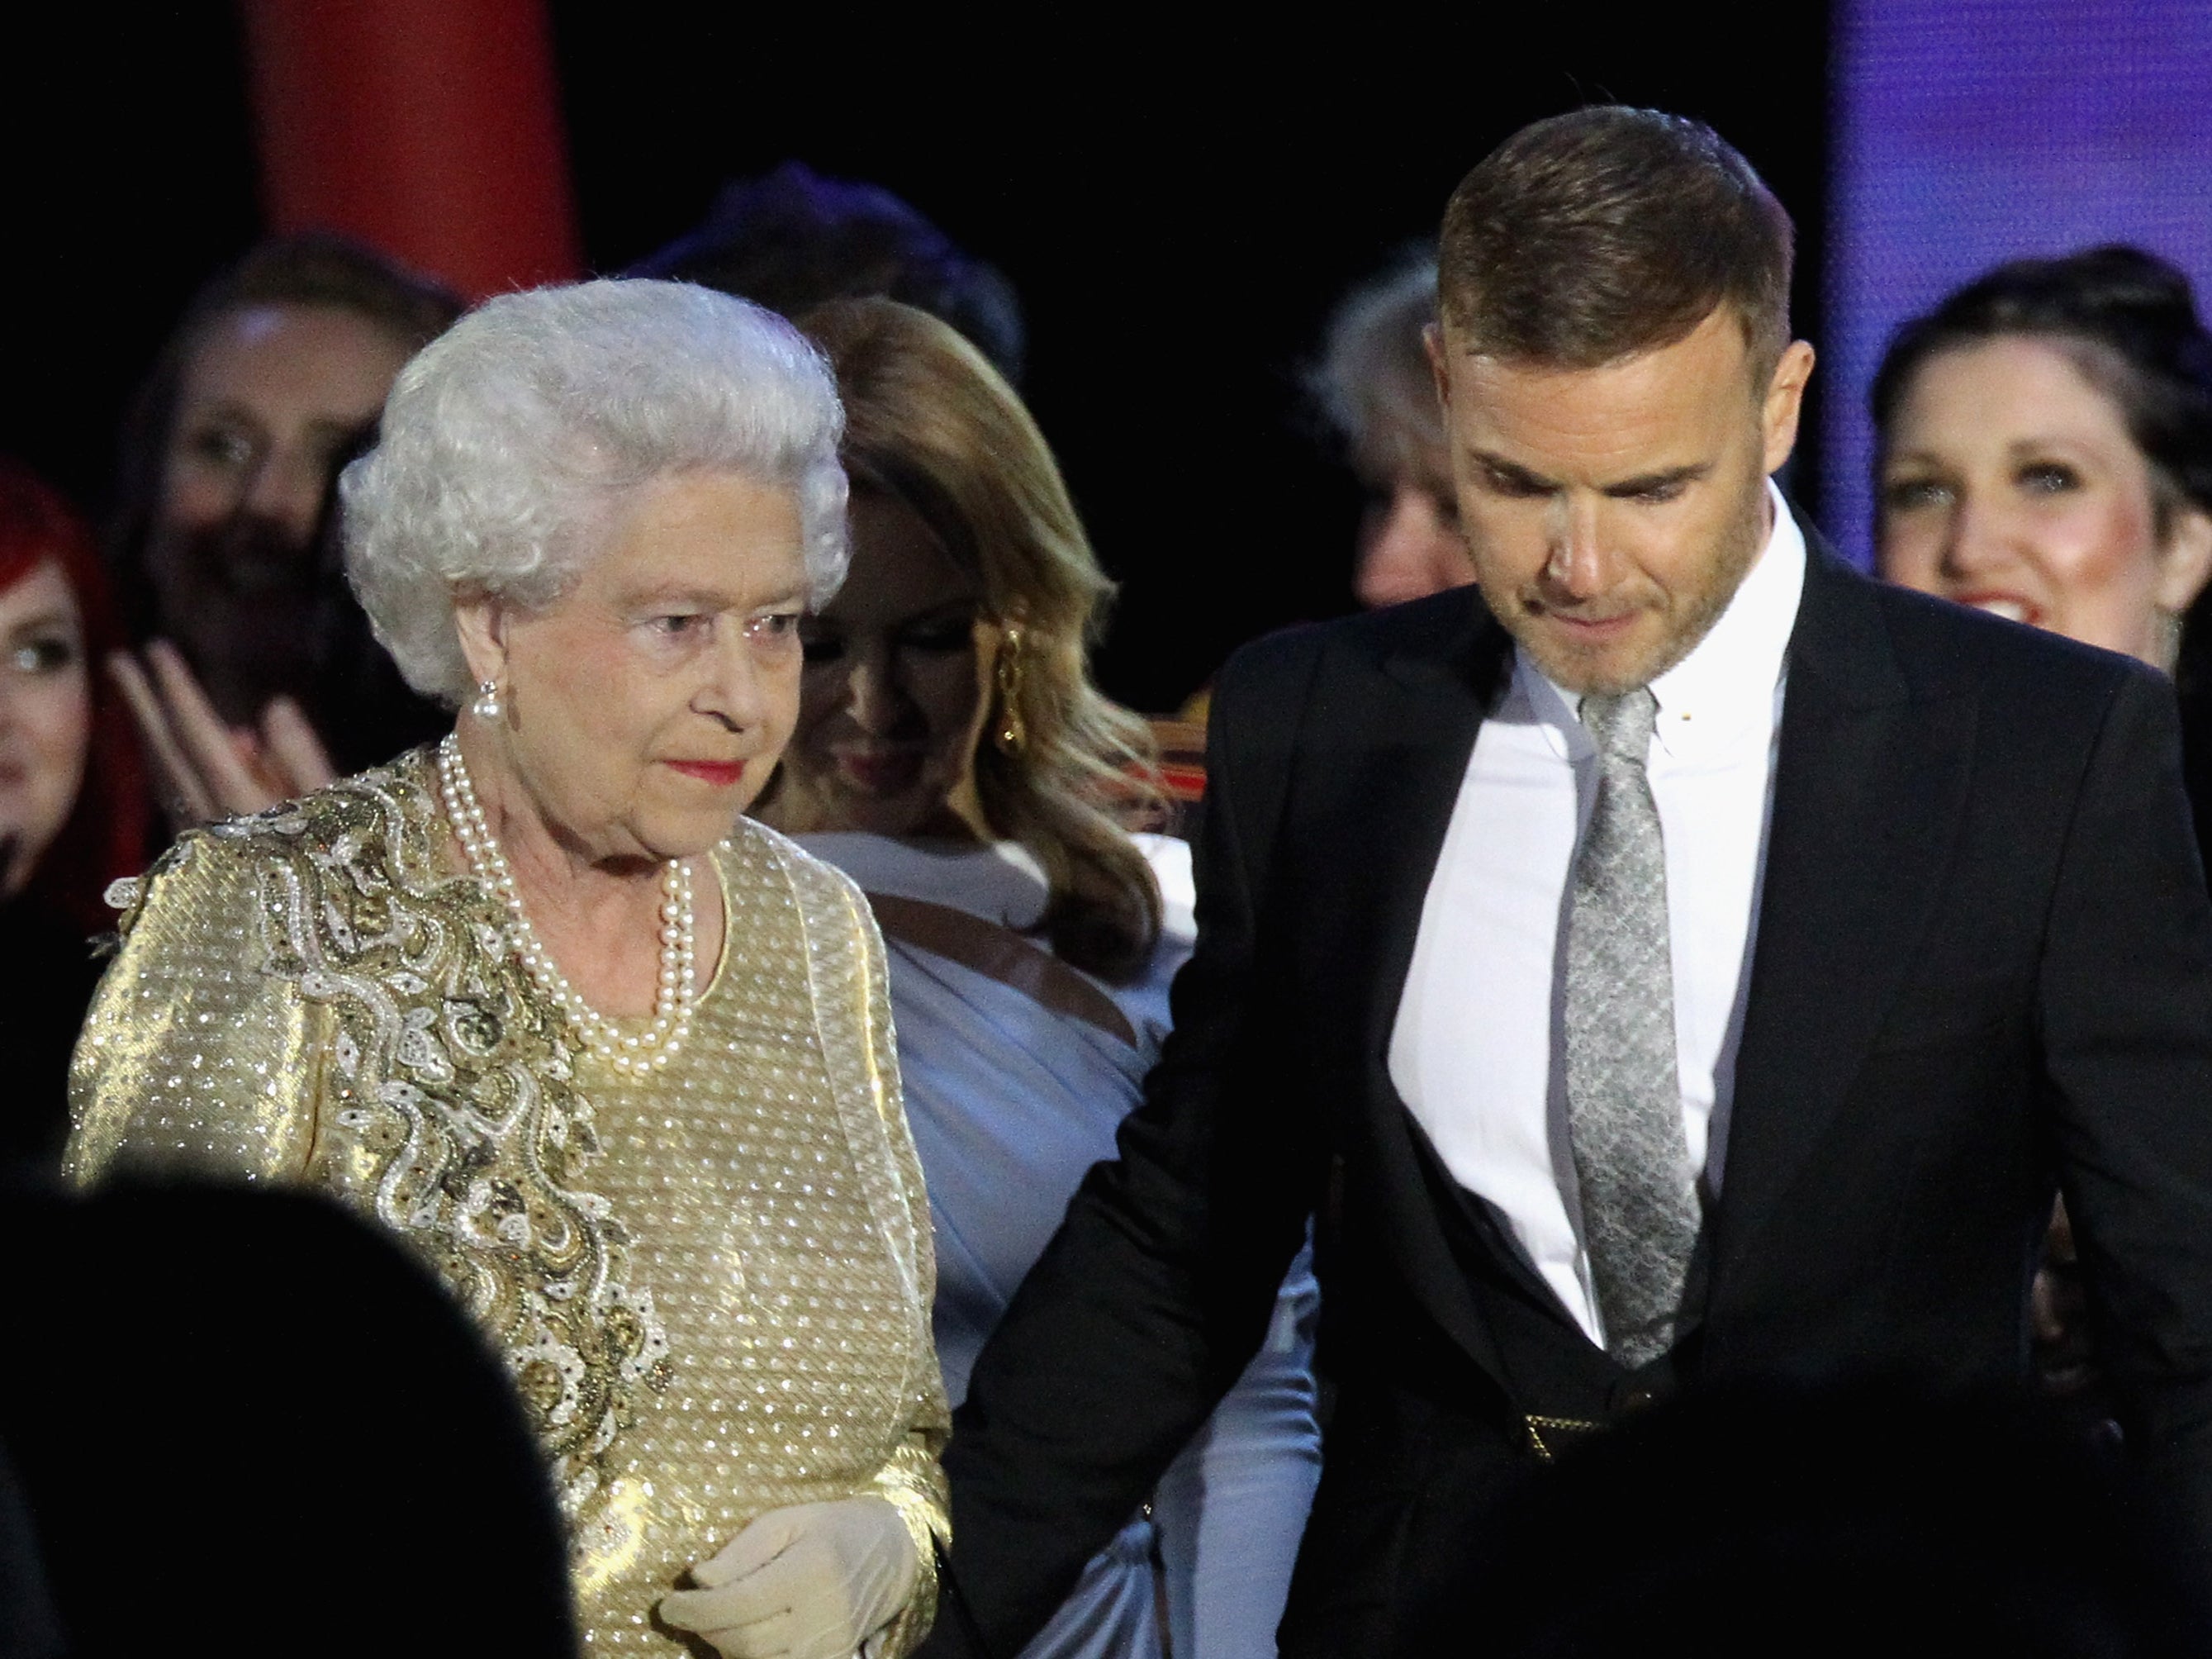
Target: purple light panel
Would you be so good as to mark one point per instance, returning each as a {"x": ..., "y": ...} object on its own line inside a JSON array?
[{"x": 1972, "y": 132}]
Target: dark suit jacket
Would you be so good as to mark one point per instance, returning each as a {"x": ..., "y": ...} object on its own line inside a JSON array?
[{"x": 1983, "y": 965}]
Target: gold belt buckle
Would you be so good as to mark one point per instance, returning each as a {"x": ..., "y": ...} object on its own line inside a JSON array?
[{"x": 1549, "y": 1435}]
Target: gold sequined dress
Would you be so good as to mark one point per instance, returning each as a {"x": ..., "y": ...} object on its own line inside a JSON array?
[{"x": 712, "y": 1285}]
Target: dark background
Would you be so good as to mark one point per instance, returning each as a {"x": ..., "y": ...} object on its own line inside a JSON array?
[{"x": 1179, "y": 210}]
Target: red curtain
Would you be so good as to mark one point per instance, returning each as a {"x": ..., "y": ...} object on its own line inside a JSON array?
[{"x": 429, "y": 129}]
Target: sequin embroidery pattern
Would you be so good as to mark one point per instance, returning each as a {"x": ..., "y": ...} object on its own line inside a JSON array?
[
  {"x": 712, "y": 1285},
  {"x": 457, "y": 1118}
]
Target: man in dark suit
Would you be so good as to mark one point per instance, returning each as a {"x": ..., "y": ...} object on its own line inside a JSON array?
[{"x": 1687, "y": 962}]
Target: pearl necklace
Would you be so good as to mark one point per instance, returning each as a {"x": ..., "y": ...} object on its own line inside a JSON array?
[{"x": 679, "y": 983}]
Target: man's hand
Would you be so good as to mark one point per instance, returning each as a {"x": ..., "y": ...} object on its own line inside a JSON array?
[
  {"x": 203, "y": 769},
  {"x": 814, "y": 1580}
]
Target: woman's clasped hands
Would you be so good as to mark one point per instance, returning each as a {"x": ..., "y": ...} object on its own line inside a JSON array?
[{"x": 814, "y": 1580}]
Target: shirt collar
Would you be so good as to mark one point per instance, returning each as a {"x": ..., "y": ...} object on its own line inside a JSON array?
[{"x": 1725, "y": 686}]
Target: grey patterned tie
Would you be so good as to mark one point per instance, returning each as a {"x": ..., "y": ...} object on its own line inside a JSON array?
[{"x": 1639, "y": 1194}]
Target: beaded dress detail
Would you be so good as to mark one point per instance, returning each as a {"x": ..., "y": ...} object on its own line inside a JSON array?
[{"x": 711, "y": 1279}]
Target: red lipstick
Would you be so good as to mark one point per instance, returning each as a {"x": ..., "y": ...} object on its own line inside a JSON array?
[{"x": 720, "y": 774}]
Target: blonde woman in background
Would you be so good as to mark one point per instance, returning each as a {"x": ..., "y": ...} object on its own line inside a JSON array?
[{"x": 954, "y": 758}]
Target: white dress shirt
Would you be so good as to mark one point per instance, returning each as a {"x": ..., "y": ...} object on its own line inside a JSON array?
[{"x": 1477, "y": 1049}]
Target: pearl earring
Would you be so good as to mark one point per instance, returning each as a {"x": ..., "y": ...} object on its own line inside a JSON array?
[{"x": 487, "y": 704}]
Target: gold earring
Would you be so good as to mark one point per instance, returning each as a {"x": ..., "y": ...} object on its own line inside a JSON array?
[{"x": 1010, "y": 735}]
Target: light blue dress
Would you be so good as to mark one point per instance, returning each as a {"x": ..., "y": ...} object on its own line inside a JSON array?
[{"x": 1011, "y": 1102}]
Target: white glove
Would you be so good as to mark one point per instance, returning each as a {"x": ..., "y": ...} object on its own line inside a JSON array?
[{"x": 811, "y": 1582}]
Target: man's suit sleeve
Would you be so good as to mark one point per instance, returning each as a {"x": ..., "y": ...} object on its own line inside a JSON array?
[
  {"x": 1158, "y": 1289},
  {"x": 2126, "y": 1009}
]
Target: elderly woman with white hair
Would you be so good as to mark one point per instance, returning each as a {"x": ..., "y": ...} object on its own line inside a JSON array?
[
  {"x": 1375, "y": 387},
  {"x": 615, "y": 1059}
]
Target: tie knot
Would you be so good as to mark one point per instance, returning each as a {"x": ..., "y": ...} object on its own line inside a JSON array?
[{"x": 1621, "y": 726}]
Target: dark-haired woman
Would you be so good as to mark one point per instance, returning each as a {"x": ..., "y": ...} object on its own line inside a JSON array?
[
  {"x": 2046, "y": 454},
  {"x": 953, "y": 757},
  {"x": 73, "y": 812}
]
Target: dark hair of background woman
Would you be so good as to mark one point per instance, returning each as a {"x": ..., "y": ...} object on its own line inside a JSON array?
[{"x": 2129, "y": 322}]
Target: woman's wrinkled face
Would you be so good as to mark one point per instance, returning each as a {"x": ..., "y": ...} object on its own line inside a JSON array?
[
  {"x": 46, "y": 718},
  {"x": 644, "y": 709},
  {"x": 897, "y": 687},
  {"x": 2010, "y": 483}
]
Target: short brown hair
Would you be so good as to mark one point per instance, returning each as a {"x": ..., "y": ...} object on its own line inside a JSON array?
[{"x": 1594, "y": 235}]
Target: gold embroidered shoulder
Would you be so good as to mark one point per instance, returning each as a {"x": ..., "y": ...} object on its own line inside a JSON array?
[{"x": 712, "y": 1286}]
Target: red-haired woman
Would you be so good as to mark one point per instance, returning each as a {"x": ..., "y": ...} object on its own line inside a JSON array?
[{"x": 72, "y": 803}]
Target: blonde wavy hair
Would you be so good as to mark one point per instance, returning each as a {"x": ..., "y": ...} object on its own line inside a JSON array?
[{"x": 929, "y": 421}]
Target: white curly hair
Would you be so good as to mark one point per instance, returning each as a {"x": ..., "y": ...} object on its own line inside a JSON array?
[
  {"x": 508, "y": 443},
  {"x": 1373, "y": 382}
]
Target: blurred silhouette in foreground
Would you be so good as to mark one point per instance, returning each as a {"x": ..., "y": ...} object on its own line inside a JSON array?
[
  {"x": 1866, "y": 1522},
  {"x": 242, "y": 1423},
  {"x": 258, "y": 678}
]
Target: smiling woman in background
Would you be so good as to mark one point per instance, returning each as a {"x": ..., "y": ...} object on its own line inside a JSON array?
[
  {"x": 73, "y": 809},
  {"x": 615, "y": 1059},
  {"x": 2046, "y": 450},
  {"x": 2046, "y": 454}
]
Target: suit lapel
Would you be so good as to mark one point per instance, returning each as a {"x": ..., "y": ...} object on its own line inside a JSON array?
[
  {"x": 1407, "y": 740},
  {"x": 1382, "y": 757},
  {"x": 1870, "y": 785}
]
